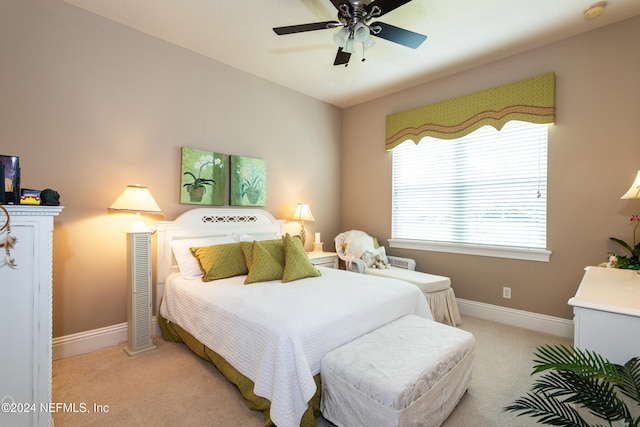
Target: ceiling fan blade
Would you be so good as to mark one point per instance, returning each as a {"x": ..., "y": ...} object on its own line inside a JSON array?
[
  {"x": 398, "y": 35},
  {"x": 386, "y": 6},
  {"x": 342, "y": 58},
  {"x": 291, "y": 29},
  {"x": 338, "y": 3}
]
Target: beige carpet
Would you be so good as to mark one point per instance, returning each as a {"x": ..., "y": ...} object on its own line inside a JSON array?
[{"x": 171, "y": 386}]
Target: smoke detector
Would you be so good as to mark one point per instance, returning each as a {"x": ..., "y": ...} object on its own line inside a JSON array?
[{"x": 594, "y": 10}]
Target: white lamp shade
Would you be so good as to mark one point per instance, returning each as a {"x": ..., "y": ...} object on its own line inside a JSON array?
[
  {"x": 349, "y": 46},
  {"x": 302, "y": 213},
  {"x": 368, "y": 42},
  {"x": 360, "y": 32},
  {"x": 340, "y": 38},
  {"x": 135, "y": 198},
  {"x": 634, "y": 191}
]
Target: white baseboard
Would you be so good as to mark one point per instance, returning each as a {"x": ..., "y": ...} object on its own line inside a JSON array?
[
  {"x": 518, "y": 318},
  {"x": 88, "y": 341}
]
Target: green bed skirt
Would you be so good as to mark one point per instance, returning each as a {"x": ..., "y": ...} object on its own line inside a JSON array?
[{"x": 173, "y": 332}]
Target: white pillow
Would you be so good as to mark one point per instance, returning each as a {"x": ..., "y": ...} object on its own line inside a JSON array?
[
  {"x": 252, "y": 237},
  {"x": 187, "y": 263}
]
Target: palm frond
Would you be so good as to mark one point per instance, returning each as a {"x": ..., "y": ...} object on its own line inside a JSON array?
[
  {"x": 631, "y": 374},
  {"x": 584, "y": 362},
  {"x": 598, "y": 396},
  {"x": 576, "y": 380},
  {"x": 548, "y": 410}
]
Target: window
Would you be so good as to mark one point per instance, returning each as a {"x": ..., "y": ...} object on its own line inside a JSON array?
[{"x": 484, "y": 193}]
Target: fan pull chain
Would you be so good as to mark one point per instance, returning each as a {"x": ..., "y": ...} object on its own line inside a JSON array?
[{"x": 8, "y": 242}]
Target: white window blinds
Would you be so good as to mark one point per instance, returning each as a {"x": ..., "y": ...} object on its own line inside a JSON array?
[{"x": 486, "y": 188}]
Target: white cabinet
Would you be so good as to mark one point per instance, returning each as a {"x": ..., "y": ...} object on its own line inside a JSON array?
[
  {"x": 25, "y": 315},
  {"x": 606, "y": 311}
]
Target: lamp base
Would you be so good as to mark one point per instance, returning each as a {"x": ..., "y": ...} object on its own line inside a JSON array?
[
  {"x": 303, "y": 235},
  {"x": 317, "y": 247}
]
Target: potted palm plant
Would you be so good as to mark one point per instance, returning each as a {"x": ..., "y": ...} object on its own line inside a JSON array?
[{"x": 578, "y": 380}]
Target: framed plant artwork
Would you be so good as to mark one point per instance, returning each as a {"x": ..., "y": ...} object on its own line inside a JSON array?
[
  {"x": 203, "y": 178},
  {"x": 248, "y": 183}
]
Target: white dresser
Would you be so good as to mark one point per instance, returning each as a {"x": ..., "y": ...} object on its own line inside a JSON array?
[
  {"x": 606, "y": 311},
  {"x": 25, "y": 315}
]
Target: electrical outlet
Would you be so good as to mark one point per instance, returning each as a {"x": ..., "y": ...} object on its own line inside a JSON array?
[{"x": 506, "y": 293}]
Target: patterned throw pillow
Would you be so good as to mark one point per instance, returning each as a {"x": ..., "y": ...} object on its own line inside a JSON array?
[
  {"x": 264, "y": 266},
  {"x": 187, "y": 263},
  {"x": 273, "y": 246},
  {"x": 220, "y": 261},
  {"x": 296, "y": 262}
]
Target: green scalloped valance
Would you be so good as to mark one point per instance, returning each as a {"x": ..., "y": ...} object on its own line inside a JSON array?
[{"x": 530, "y": 100}]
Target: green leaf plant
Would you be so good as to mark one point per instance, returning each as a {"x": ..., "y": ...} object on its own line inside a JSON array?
[
  {"x": 575, "y": 381},
  {"x": 631, "y": 262}
]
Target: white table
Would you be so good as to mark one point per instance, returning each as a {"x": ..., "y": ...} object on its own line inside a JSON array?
[
  {"x": 325, "y": 259},
  {"x": 606, "y": 311}
]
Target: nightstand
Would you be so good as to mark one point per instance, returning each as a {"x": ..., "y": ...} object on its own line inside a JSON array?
[{"x": 324, "y": 259}]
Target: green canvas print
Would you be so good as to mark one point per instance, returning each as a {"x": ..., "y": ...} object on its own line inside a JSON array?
[
  {"x": 203, "y": 177},
  {"x": 248, "y": 184}
]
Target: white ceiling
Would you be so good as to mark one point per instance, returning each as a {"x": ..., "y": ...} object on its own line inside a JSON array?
[{"x": 461, "y": 34}]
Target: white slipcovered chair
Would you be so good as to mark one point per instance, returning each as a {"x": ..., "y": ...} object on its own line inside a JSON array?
[{"x": 362, "y": 254}]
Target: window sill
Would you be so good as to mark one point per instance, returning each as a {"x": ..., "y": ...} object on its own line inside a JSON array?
[{"x": 540, "y": 255}]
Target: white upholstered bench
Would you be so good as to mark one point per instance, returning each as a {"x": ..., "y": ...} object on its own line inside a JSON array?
[{"x": 410, "y": 372}]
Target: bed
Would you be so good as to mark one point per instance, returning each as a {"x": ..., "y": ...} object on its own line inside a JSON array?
[{"x": 268, "y": 337}]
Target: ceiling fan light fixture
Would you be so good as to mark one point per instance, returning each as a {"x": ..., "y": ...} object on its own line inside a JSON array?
[
  {"x": 340, "y": 38},
  {"x": 361, "y": 32},
  {"x": 368, "y": 43},
  {"x": 349, "y": 46}
]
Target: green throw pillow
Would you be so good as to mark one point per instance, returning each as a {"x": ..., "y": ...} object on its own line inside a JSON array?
[
  {"x": 220, "y": 261},
  {"x": 274, "y": 247},
  {"x": 296, "y": 262},
  {"x": 264, "y": 265}
]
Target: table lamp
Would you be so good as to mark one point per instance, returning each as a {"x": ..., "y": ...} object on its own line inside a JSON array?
[
  {"x": 138, "y": 199},
  {"x": 302, "y": 214},
  {"x": 634, "y": 191}
]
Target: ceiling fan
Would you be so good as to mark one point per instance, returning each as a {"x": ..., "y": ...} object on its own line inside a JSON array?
[{"x": 355, "y": 27}]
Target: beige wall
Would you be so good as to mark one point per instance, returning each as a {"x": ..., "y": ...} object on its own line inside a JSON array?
[
  {"x": 594, "y": 154},
  {"x": 91, "y": 106}
]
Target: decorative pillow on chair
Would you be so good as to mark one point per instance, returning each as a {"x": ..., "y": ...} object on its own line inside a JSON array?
[
  {"x": 296, "y": 262},
  {"x": 220, "y": 261},
  {"x": 376, "y": 259},
  {"x": 187, "y": 263},
  {"x": 264, "y": 265}
]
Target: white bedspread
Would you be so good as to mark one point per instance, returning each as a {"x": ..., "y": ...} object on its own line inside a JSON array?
[{"x": 276, "y": 333}]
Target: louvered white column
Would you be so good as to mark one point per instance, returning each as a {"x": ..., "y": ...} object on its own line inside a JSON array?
[{"x": 139, "y": 307}]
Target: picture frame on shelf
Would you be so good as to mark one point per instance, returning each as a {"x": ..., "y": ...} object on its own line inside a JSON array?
[{"x": 10, "y": 172}]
